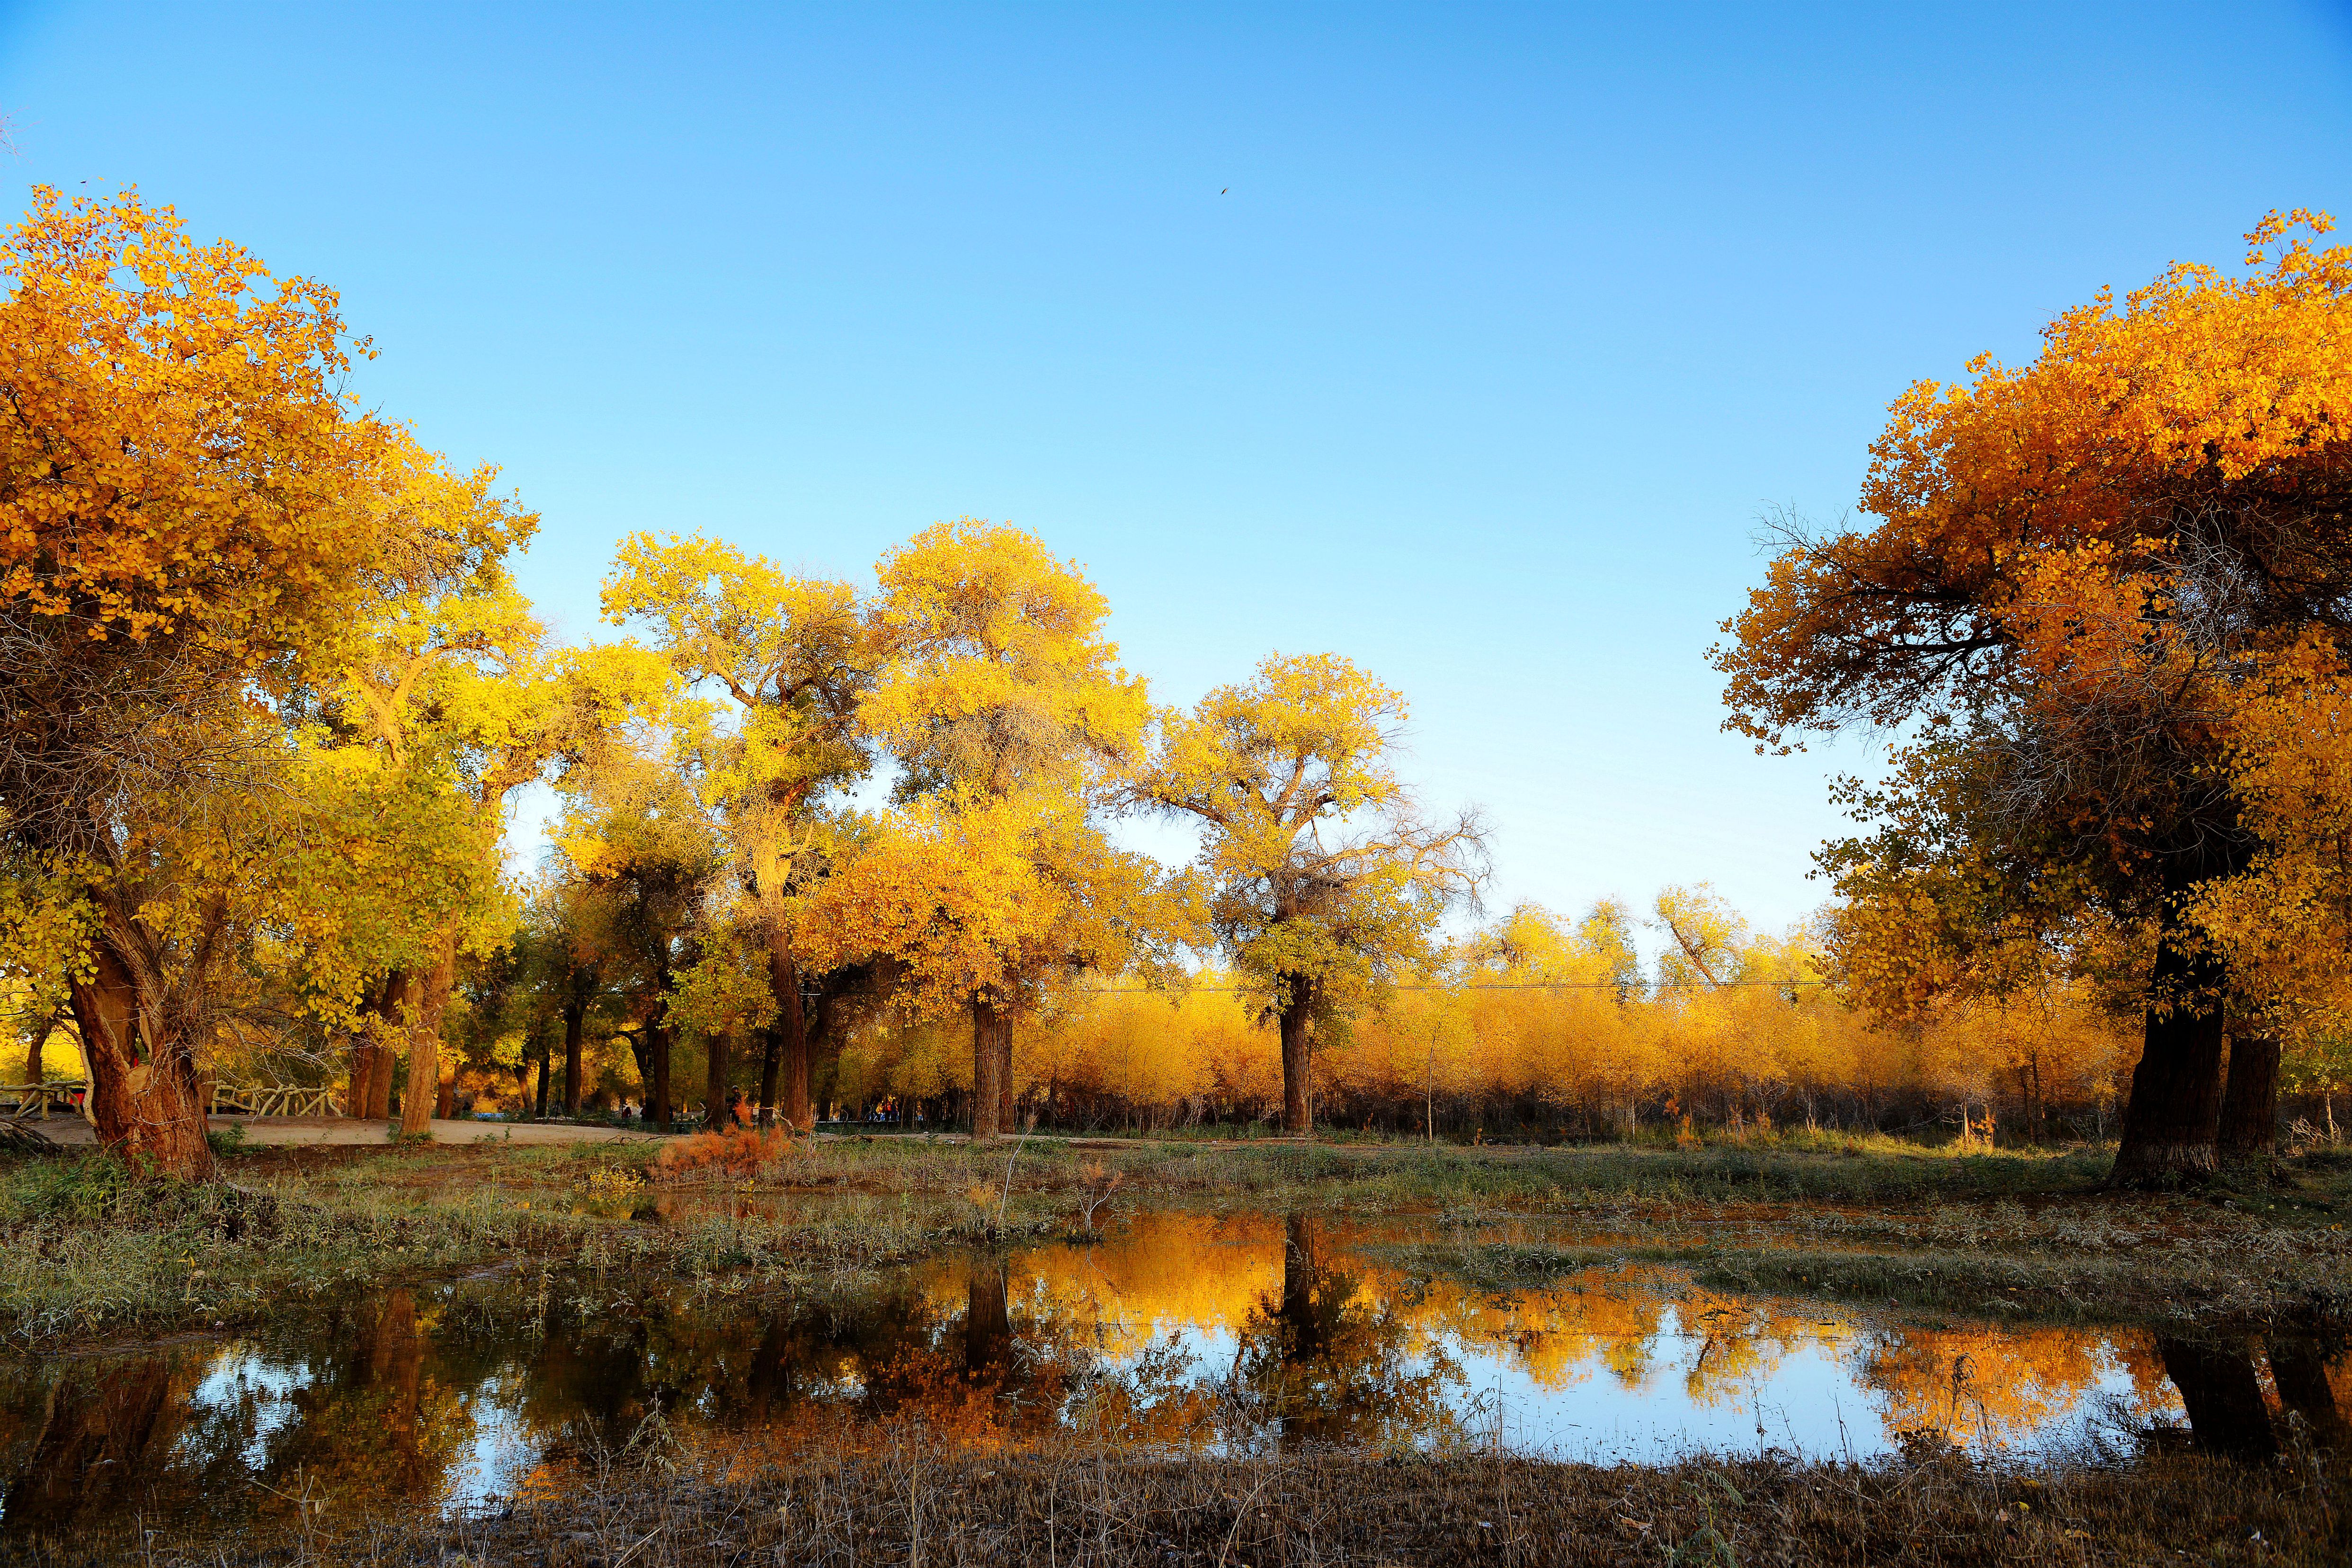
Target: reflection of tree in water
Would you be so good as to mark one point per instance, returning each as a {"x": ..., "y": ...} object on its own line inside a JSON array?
[
  {"x": 2229, "y": 1414},
  {"x": 596, "y": 1375},
  {"x": 105, "y": 1430},
  {"x": 2314, "y": 1386},
  {"x": 834, "y": 1363},
  {"x": 2222, "y": 1395},
  {"x": 1739, "y": 1345},
  {"x": 375, "y": 1408},
  {"x": 1999, "y": 1387},
  {"x": 1982, "y": 1386},
  {"x": 384, "y": 1415},
  {"x": 1320, "y": 1365}
]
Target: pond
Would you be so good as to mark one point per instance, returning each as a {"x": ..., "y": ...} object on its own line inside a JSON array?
[{"x": 1178, "y": 1331}]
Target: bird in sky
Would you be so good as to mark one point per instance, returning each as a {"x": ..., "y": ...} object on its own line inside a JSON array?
[{"x": 1227, "y": 188}]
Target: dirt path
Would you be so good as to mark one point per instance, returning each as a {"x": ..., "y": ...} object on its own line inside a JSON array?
[{"x": 72, "y": 1131}]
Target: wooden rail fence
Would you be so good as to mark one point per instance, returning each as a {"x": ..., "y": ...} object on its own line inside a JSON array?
[
  {"x": 36, "y": 1099},
  {"x": 271, "y": 1099},
  {"x": 24, "y": 1100}
]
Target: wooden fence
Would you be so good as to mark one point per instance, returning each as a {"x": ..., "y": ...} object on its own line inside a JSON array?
[
  {"x": 37, "y": 1099},
  {"x": 271, "y": 1099}
]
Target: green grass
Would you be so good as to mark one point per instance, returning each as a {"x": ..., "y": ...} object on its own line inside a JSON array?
[
  {"x": 2250, "y": 1252},
  {"x": 86, "y": 1252}
]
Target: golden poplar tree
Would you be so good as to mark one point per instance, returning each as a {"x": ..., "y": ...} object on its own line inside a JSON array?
[
  {"x": 1327, "y": 877},
  {"x": 177, "y": 469},
  {"x": 1003, "y": 705},
  {"x": 786, "y": 658},
  {"x": 450, "y": 691},
  {"x": 2076, "y": 567}
]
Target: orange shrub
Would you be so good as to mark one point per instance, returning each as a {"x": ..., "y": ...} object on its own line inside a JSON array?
[{"x": 737, "y": 1153}]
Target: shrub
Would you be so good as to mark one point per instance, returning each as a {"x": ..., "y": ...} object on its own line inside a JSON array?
[{"x": 740, "y": 1154}]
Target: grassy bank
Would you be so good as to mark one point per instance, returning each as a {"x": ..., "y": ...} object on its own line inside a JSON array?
[
  {"x": 917, "y": 1502},
  {"x": 86, "y": 1253},
  {"x": 2263, "y": 1252}
]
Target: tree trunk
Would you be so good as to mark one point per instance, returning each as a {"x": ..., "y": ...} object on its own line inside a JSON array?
[
  {"x": 772, "y": 1042},
  {"x": 144, "y": 1095},
  {"x": 574, "y": 1016},
  {"x": 539, "y": 1112},
  {"x": 1298, "y": 1002},
  {"x": 385, "y": 1012},
  {"x": 822, "y": 1046},
  {"x": 987, "y": 1065},
  {"x": 792, "y": 1030},
  {"x": 658, "y": 1106},
  {"x": 2174, "y": 1115},
  {"x": 429, "y": 1000},
  {"x": 381, "y": 1063},
  {"x": 363, "y": 1072},
  {"x": 714, "y": 1082},
  {"x": 1005, "y": 1121},
  {"x": 2250, "y": 1104},
  {"x": 371, "y": 1058},
  {"x": 659, "y": 1041}
]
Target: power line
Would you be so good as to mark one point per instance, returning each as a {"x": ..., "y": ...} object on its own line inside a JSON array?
[{"x": 1493, "y": 985}]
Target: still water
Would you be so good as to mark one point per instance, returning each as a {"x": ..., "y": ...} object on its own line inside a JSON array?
[{"x": 1180, "y": 1330}]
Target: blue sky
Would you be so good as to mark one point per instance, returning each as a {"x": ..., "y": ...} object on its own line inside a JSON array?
[{"x": 1467, "y": 342}]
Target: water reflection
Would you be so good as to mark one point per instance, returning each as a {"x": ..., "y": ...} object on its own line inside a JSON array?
[{"x": 1184, "y": 1331}]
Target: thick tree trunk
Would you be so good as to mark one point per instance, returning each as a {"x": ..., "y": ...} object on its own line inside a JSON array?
[
  {"x": 2174, "y": 1115},
  {"x": 659, "y": 1043},
  {"x": 987, "y": 1066},
  {"x": 363, "y": 1069},
  {"x": 368, "y": 1052},
  {"x": 382, "y": 1062},
  {"x": 144, "y": 1100},
  {"x": 2222, "y": 1395},
  {"x": 714, "y": 1084},
  {"x": 822, "y": 1046},
  {"x": 539, "y": 1112},
  {"x": 657, "y": 1105},
  {"x": 792, "y": 1033},
  {"x": 385, "y": 1013},
  {"x": 1297, "y": 1005},
  {"x": 2249, "y": 1132},
  {"x": 429, "y": 999},
  {"x": 771, "y": 1044},
  {"x": 1005, "y": 1121},
  {"x": 573, "y": 1018}
]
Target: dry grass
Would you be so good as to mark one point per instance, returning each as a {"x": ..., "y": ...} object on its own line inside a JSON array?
[{"x": 915, "y": 1501}]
